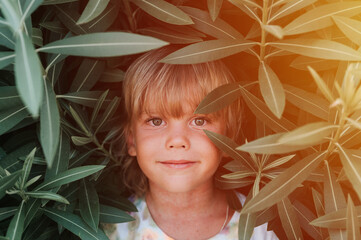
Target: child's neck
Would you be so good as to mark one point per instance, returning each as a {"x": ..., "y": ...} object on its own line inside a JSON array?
[{"x": 198, "y": 214}]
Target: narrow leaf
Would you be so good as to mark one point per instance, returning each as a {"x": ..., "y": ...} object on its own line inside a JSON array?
[
  {"x": 49, "y": 123},
  {"x": 92, "y": 10},
  {"x": 110, "y": 214},
  {"x": 246, "y": 222},
  {"x": 7, "y": 212},
  {"x": 320, "y": 17},
  {"x": 336, "y": 219},
  {"x": 108, "y": 113},
  {"x": 6, "y": 58},
  {"x": 169, "y": 35},
  {"x": 8, "y": 181},
  {"x": 322, "y": 85},
  {"x": 353, "y": 226},
  {"x": 86, "y": 98},
  {"x": 89, "y": 204},
  {"x": 271, "y": 89},
  {"x": 213, "y": 7},
  {"x": 16, "y": 227},
  {"x": 12, "y": 13},
  {"x": 318, "y": 48},
  {"x": 278, "y": 162},
  {"x": 88, "y": 74},
  {"x": 68, "y": 176},
  {"x": 350, "y": 27},
  {"x": 29, "y": 7},
  {"x": 28, "y": 74},
  {"x": 284, "y": 184},
  {"x": 309, "y": 134},
  {"x": 289, "y": 219},
  {"x": 47, "y": 195},
  {"x": 10, "y": 117},
  {"x": 207, "y": 51},
  {"x": 27, "y": 167},
  {"x": 302, "y": 62},
  {"x": 290, "y": 7},
  {"x": 219, "y": 98},
  {"x": 105, "y": 44}
]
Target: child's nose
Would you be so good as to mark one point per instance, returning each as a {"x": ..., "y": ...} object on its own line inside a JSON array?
[{"x": 177, "y": 139}]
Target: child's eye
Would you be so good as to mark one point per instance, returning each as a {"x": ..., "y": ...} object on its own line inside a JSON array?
[
  {"x": 155, "y": 121},
  {"x": 199, "y": 122}
]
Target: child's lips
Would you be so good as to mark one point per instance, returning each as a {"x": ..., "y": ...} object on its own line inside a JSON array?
[{"x": 179, "y": 164}]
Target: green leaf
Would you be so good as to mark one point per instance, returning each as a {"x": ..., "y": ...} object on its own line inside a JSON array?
[
  {"x": 228, "y": 146},
  {"x": 32, "y": 208},
  {"x": 10, "y": 117},
  {"x": 37, "y": 37},
  {"x": 47, "y": 195},
  {"x": 12, "y": 13},
  {"x": 289, "y": 219},
  {"x": 88, "y": 74},
  {"x": 6, "y": 58},
  {"x": 118, "y": 202},
  {"x": 80, "y": 141},
  {"x": 6, "y": 212},
  {"x": 105, "y": 44},
  {"x": 54, "y": 26},
  {"x": 86, "y": 98},
  {"x": 308, "y": 102},
  {"x": 16, "y": 227},
  {"x": 213, "y": 7},
  {"x": 7, "y": 37},
  {"x": 27, "y": 168},
  {"x": 320, "y": 17},
  {"x": 9, "y": 97},
  {"x": 112, "y": 75},
  {"x": 98, "y": 107},
  {"x": 28, "y": 74},
  {"x": 68, "y": 176},
  {"x": 108, "y": 113},
  {"x": 49, "y": 123},
  {"x": 207, "y": 51},
  {"x": 53, "y": 2},
  {"x": 89, "y": 204},
  {"x": 29, "y": 7},
  {"x": 351, "y": 163},
  {"x": 219, "y": 98},
  {"x": 80, "y": 119},
  {"x": 92, "y": 10},
  {"x": 288, "y": 8},
  {"x": 350, "y": 27},
  {"x": 74, "y": 224},
  {"x": 218, "y": 28},
  {"x": 110, "y": 214},
  {"x": 284, "y": 184},
  {"x": 352, "y": 223},
  {"x": 8, "y": 181},
  {"x": 263, "y": 113},
  {"x": 169, "y": 35},
  {"x": 271, "y": 89},
  {"x": 318, "y": 48},
  {"x": 309, "y": 134},
  {"x": 164, "y": 11}
]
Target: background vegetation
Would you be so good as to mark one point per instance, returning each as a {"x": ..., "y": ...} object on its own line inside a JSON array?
[{"x": 297, "y": 63}]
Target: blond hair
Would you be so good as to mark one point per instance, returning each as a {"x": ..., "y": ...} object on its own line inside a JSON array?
[{"x": 166, "y": 86}]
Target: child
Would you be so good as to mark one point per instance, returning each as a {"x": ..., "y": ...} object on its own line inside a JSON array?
[{"x": 172, "y": 162}]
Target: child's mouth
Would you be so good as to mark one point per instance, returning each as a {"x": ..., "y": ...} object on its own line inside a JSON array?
[{"x": 179, "y": 164}]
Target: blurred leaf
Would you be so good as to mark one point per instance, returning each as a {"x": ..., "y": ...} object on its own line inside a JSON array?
[
  {"x": 92, "y": 10},
  {"x": 336, "y": 219},
  {"x": 309, "y": 134},
  {"x": 350, "y": 159},
  {"x": 6, "y": 58},
  {"x": 318, "y": 48},
  {"x": 118, "y": 202},
  {"x": 87, "y": 75},
  {"x": 207, "y": 51},
  {"x": 271, "y": 89},
  {"x": 27, "y": 168},
  {"x": 61, "y": 159},
  {"x": 53, "y": 2},
  {"x": 7, "y": 37},
  {"x": 108, "y": 113},
  {"x": 29, "y": 7},
  {"x": 37, "y": 37},
  {"x": 302, "y": 62},
  {"x": 320, "y": 17},
  {"x": 268, "y": 145},
  {"x": 89, "y": 204},
  {"x": 47, "y": 195},
  {"x": 322, "y": 85},
  {"x": 290, "y": 7},
  {"x": 350, "y": 27},
  {"x": 308, "y": 102},
  {"x": 12, "y": 13},
  {"x": 49, "y": 123},
  {"x": 8, "y": 181},
  {"x": 164, "y": 11},
  {"x": 86, "y": 98},
  {"x": 105, "y": 44},
  {"x": 68, "y": 17},
  {"x": 219, "y": 98},
  {"x": 110, "y": 214},
  {"x": 10, "y": 117},
  {"x": 275, "y": 30},
  {"x": 68, "y": 176},
  {"x": 218, "y": 28},
  {"x": 352, "y": 223},
  {"x": 213, "y": 7},
  {"x": 305, "y": 216},
  {"x": 6, "y": 212},
  {"x": 262, "y": 112},
  {"x": 228, "y": 146},
  {"x": 54, "y": 26},
  {"x": 112, "y": 75},
  {"x": 246, "y": 222},
  {"x": 74, "y": 224},
  {"x": 16, "y": 227},
  {"x": 28, "y": 74},
  {"x": 318, "y": 202},
  {"x": 248, "y": 7},
  {"x": 9, "y": 97},
  {"x": 284, "y": 184},
  {"x": 169, "y": 35},
  {"x": 289, "y": 219},
  {"x": 104, "y": 21}
]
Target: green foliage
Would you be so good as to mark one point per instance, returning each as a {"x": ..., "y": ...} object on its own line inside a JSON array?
[{"x": 62, "y": 63}]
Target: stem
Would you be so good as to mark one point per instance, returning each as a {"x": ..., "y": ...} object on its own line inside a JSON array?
[
  {"x": 263, "y": 34},
  {"x": 101, "y": 148}
]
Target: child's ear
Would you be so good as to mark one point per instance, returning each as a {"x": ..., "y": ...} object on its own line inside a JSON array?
[{"x": 131, "y": 145}]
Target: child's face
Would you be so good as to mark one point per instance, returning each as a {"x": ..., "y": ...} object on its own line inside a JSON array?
[{"x": 174, "y": 153}]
